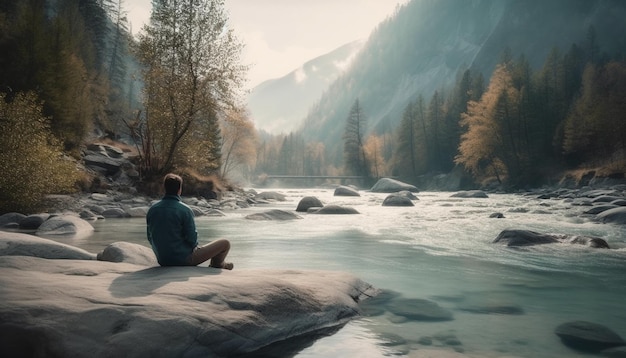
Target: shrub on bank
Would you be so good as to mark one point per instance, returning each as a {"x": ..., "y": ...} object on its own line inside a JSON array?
[{"x": 32, "y": 159}]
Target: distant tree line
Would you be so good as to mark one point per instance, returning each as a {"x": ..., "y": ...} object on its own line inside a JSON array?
[{"x": 518, "y": 129}]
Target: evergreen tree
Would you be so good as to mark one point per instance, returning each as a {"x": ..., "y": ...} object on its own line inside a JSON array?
[
  {"x": 436, "y": 123},
  {"x": 455, "y": 106},
  {"x": 355, "y": 161},
  {"x": 406, "y": 147},
  {"x": 482, "y": 148},
  {"x": 595, "y": 130}
]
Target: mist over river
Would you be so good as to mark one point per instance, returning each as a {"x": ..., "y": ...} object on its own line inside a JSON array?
[{"x": 440, "y": 250}]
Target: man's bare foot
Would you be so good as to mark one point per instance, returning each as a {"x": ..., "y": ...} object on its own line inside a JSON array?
[{"x": 225, "y": 266}]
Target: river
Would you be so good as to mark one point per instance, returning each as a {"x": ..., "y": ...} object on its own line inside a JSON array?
[{"x": 441, "y": 250}]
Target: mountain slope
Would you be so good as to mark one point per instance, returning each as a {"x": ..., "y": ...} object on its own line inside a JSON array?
[
  {"x": 428, "y": 42},
  {"x": 280, "y": 105}
]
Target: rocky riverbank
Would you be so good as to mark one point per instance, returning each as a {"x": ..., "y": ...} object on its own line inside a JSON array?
[{"x": 57, "y": 301}]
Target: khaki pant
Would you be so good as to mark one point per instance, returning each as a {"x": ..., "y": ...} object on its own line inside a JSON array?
[{"x": 215, "y": 251}]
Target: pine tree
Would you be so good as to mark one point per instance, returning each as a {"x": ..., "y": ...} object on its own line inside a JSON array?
[
  {"x": 406, "y": 147},
  {"x": 355, "y": 161}
]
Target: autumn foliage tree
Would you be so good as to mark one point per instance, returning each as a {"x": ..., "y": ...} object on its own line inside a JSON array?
[
  {"x": 490, "y": 126},
  {"x": 192, "y": 74},
  {"x": 238, "y": 143}
]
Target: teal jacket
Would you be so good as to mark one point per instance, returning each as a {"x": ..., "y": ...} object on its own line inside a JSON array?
[{"x": 171, "y": 231}]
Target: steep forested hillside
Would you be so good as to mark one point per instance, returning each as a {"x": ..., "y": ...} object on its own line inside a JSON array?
[
  {"x": 65, "y": 73},
  {"x": 429, "y": 43}
]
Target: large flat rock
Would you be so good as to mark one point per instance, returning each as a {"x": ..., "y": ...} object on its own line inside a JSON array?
[{"x": 89, "y": 308}]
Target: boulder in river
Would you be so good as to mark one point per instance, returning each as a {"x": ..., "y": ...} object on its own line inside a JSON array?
[
  {"x": 11, "y": 220},
  {"x": 335, "y": 209},
  {"x": 419, "y": 309},
  {"x": 588, "y": 336},
  {"x": 270, "y": 195},
  {"x": 34, "y": 221},
  {"x": 343, "y": 190},
  {"x": 308, "y": 202},
  {"x": 388, "y": 185},
  {"x": 523, "y": 238},
  {"x": 275, "y": 214},
  {"x": 470, "y": 194},
  {"x": 614, "y": 216},
  {"x": 529, "y": 238},
  {"x": 64, "y": 225},
  {"x": 397, "y": 200}
]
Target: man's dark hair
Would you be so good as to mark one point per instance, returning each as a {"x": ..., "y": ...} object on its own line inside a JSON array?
[{"x": 172, "y": 184}]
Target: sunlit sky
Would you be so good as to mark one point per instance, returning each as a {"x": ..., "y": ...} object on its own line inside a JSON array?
[{"x": 281, "y": 35}]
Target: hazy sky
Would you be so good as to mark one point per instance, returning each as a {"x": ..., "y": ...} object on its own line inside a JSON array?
[{"x": 281, "y": 35}]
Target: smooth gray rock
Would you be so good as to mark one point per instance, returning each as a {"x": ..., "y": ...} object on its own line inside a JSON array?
[
  {"x": 594, "y": 242},
  {"x": 508, "y": 309},
  {"x": 397, "y": 200},
  {"x": 408, "y": 194},
  {"x": 308, "y": 202},
  {"x": 599, "y": 208},
  {"x": 470, "y": 194},
  {"x": 345, "y": 191},
  {"x": 605, "y": 199},
  {"x": 138, "y": 211},
  {"x": 388, "y": 185},
  {"x": 11, "y": 219},
  {"x": 335, "y": 210},
  {"x": 128, "y": 252},
  {"x": 77, "y": 308},
  {"x": 17, "y": 244},
  {"x": 275, "y": 214},
  {"x": 619, "y": 202},
  {"x": 588, "y": 336},
  {"x": 34, "y": 221},
  {"x": 100, "y": 197},
  {"x": 528, "y": 238},
  {"x": 420, "y": 310},
  {"x": 614, "y": 216},
  {"x": 523, "y": 238},
  {"x": 115, "y": 213},
  {"x": 270, "y": 195},
  {"x": 68, "y": 225}
]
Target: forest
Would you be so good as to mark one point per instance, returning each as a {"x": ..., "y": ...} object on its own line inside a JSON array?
[
  {"x": 71, "y": 74},
  {"x": 521, "y": 128}
]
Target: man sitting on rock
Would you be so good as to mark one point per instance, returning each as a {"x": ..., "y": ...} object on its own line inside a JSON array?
[{"x": 172, "y": 232}]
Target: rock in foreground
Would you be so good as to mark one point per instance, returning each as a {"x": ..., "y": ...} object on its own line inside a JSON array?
[
  {"x": 588, "y": 336},
  {"x": 79, "y": 308}
]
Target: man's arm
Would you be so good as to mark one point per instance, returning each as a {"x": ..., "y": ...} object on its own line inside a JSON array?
[{"x": 190, "y": 233}]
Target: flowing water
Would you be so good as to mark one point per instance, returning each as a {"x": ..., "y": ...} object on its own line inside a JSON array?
[{"x": 439, "y": 250}]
